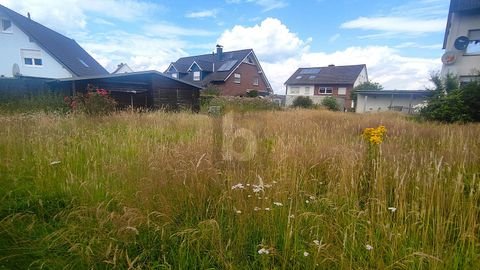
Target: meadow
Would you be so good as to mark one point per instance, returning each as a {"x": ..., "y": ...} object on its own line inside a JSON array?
[{"x": 149, "y": 191}]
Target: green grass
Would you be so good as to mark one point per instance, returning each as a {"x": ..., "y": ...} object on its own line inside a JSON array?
[{"x": 144, "y": 191}]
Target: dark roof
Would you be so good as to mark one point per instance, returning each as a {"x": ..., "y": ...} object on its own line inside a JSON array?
[
  {"x": 63, "y": 49},
  {"x": 467, "y": 6},
  {"x": 130, "y": 74},
  {"x": 208, "y": 62},
  {"x": 326, "y": 75}
]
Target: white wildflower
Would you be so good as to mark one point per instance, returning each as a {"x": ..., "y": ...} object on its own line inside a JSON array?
[
  {"x": 392, "y": 209},
  {"x": 56, "y": 162},
  {"x": 267, "y": 186},
  {"x": 307, "y": 201},
  {"x": 238, "y": 186},
  {"x": 238, "y": 211},
  {"x": 248, "y": 185},
  {"x": 311, "y": 198},
  {"x": 368, "y": 247},
  {"x": 292, "y": 216},
  {"x": 274, "y": 182},
  {"x": 316, "y": 242},
  {"x": 257, "y": 188},
  {"x": 305, "y": 254},
  {"x": 249, "y": 196},
  {"x": 278, "y": 204},
  {"x": 263, "y": 251},
  {"x": 256, "y": 209},
  {"x": 267, "y": 209}
]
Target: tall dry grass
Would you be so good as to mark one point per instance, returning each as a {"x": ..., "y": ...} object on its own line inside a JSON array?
[{"x": 143, "y": 191}]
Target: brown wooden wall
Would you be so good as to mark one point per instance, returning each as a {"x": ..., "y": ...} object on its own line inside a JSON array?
[{"x": 173, "y": 95}]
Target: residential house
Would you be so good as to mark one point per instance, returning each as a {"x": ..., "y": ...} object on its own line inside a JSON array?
[
  {"x": 405, "y": 101},
  {"x": 33, "y": 50},
  {"x": 320, "y": 82},
  {"x": 233, "y": 73},
  {"x": 462, "y": 40},
  {"x": 122, "y": 68}
]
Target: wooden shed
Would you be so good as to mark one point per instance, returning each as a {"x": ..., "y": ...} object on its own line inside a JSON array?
[{"x": 149, "y": 89}]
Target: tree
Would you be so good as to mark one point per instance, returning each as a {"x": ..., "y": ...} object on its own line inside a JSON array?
[
  {"x": 303, "y": 102},
  {"x": 451, "y": 101},
  {"x": 369, "y": 85}
]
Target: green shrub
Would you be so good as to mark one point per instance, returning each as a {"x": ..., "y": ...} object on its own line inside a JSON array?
[
  {"x": 302, "y": 102},
  {"x": 240, "y": 104},
  {"x": 331, "y": 104}
]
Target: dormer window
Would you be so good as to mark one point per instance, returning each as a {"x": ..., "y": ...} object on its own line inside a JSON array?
[
  {"x": 175, "y": 75},
  {"x": 196, "y": 75},
  {"x": 6, "y": 26}
]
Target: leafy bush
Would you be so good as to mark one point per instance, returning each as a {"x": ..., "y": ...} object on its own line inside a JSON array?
[
  {"x": 331, "y": 104},
  {"x": 452, "y": 102},
  {"x": 302, "y": 102},
  {"x": 94, "y": 102},
  {"x": 252, "y": 93}
]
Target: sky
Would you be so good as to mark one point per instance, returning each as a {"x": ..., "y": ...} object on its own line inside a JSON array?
[{"x": 400, "y": 41}]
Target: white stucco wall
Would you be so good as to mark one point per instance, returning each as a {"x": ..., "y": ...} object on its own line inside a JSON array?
[
  {"x": 301, "y": 90},
  {"x": 380, "y": 103},
  {"x": 465, "y": 65},
  {"x": 362, "y": 77},
  {"x": 11, "y": 45}
]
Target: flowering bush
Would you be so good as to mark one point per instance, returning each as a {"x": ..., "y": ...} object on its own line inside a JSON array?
[
  {"x": 374, "y": 136},
  {"x": 96, "y": 101}
]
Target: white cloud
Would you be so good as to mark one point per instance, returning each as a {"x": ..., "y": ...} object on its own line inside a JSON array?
[
  {"x": 203, "y": 14},
  {"x": 271, "y": 39},
  {"x": 334, "y": 38},
  {"x": 397, "y": 25},
  {"x": 68, "y": 16},
  {"x": 139, "y": 51},
  {"x": 281, "y": 52},
  {"x": 419, "y": 46}
]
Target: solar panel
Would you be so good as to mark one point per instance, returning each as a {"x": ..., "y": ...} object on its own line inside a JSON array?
[
  {"x": 310, "y": 71},
  {"x": 227, "y": 65}
]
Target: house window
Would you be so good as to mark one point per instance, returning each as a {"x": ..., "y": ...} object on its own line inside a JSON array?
[
  {"x": 342, "y": 91},
  {"x": 175, "y": 75},
  {"x": 196, "y": 75},
  {"x": 473, "y": 47},
  {"x": 307, "y": 90},
  {"x": 32, "y": 58},
  {"x": 237, "y": 78},
  {"x": 255, "y": 80},
  {"x": 294, "y": 90},
  {"x": 325, "y": 90},
  {"x": 6, "y": 26}
]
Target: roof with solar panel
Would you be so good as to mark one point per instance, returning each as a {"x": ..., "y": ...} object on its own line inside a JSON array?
[{"x": 326, "y": 75}]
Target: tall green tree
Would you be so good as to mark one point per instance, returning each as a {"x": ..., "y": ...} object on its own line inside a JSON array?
[{"x": 369, "y": 85}]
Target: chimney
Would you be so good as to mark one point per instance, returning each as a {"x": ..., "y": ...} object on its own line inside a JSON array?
[
  {"x": 331, "y": 65},
  {"x": 28, "y": 15},
  {"x": 219, "y": 52}
]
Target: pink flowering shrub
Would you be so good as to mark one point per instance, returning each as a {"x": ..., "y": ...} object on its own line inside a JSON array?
[{"x": 96, "y": 101}]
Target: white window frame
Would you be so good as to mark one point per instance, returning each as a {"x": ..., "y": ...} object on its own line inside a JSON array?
[
  {"x": 9, "y": 29},
  {"x": 237, "y": 78},
  {"x": 294, "y": 90},
  {"x": 474, "y": 43},
  {"x": 196, "y": 75},
  {"x": 33, "y": 56},
  {"x": 307, "y": 90},
  {"x": 256, "y": 81},
  {"x": 325, "y": 90},
  {"x": 342, "y": 91}
]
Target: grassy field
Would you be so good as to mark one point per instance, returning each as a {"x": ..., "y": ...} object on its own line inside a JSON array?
[{"x": 145, "y": 191}]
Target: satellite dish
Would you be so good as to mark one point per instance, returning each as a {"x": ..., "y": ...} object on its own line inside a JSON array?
[
  {"x": 461, "y": 43},
  {"x": 16, "y": 70},
  {"x": 449, "y": 58}
]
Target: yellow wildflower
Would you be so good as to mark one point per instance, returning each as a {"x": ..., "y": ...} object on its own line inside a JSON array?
[{"x": 374, "y": 136}]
